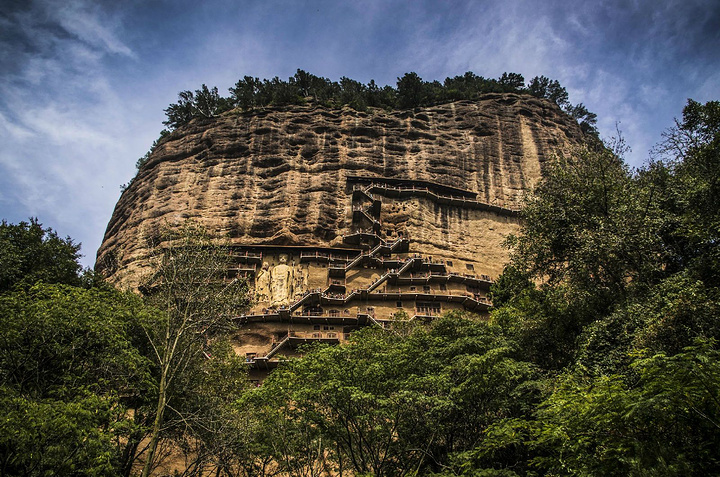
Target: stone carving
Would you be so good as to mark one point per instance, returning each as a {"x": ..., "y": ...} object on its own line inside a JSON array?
[
  {"x": 301, "y": 281},
  {"x": 262, "y": 284},
  {"x": 282, "y": 278}
]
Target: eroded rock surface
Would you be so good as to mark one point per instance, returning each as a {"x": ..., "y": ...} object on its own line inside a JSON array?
[{"x": 279, "y": 176}]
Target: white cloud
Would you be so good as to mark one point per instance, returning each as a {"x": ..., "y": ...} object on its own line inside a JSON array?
[
  {"x": 13, "y": 132},
  {"x": 90, "y": 23},
  {"x": 65, "y": 131}
]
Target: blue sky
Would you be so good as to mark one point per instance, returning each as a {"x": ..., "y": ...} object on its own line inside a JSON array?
[{"x": 83, "y": 83}]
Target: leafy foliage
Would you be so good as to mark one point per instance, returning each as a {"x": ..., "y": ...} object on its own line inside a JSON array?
[
  {"x": 603, "y": 425},
  {"x": 29, "y": 253},
  {"x": 203, "y": 103},
  {"x": 80, "y": 369},
  {"x": 623, "y": 280},
  {"x": 69, "y": 370},
  {"x": 190, "y": 285},
  {"x": 411, "y": 91},
  {"x": 393, "y": 403}
]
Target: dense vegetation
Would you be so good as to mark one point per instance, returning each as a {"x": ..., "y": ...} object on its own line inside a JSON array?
[
  {"x": 411, "y": 92},
  {"x": 93, "y": 379},
  {"x": 600, "y": 358}
]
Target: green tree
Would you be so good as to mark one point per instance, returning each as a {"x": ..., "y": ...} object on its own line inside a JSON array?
[
  {"x": 394, "y": 402},
  {"x": 544, "y": 87},
  {"x": 585, "y": 118},
  {"x": 246, "y": 93},
  {"x": 410, "y": 91},
  {"x": 191, "y": 286},
  {"x": 213, "y": 432},
  {"x": 282, "y": 93},
  {"x": 203, "y": 103},
  {"x": 180, "y": 113},
  {"x": 512, "y": 82},
  {"x": 606, "y": 425},
  {"x": 692, "y": 148},
  {"x": 616, "y": 271},
  {"x": 30, "y": 253},
  {"x": 70, "y": 371},
  {"x": 591, "y": 225},
  {"x": 385, "y": 97},
  {"x": 208, "y": 103},
  {"x": 353, "y": 93}
]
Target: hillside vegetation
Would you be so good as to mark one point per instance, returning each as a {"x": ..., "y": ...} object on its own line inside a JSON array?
[
  {"x": 600, "y": 358},
  {"x": 411, "y": 92}
]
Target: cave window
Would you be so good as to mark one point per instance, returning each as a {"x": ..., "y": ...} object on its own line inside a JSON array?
[
  {"x": 449, "y": 263},
  {"x": 470, "y": 266},
  {"x": 426, "y": 288},
  {"x": 428, "y": 308},
  {"x": 316, "y": 327},
  {"x": 398, "y": 304}
]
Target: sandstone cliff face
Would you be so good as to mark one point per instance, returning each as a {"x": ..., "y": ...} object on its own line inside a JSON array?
[{"x": 279, "y": 176}]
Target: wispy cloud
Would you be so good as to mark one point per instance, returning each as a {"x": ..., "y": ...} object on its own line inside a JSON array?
[
  {"x": 87, "y": 21},
  {"x": 60, "y": 118}
]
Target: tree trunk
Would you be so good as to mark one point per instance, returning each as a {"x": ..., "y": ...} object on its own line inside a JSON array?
[{"x": 157, "y": 424}]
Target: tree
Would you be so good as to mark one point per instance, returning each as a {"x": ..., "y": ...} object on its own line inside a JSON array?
[
  {"x": 585, "y": 118},
  {"x": 353, "y": 93},
  {"x": 208, "y": 103},
  {"x": 410, "y": 91},
  {"x": 557, "y": 93},
  {"x": 246, "y": 93},
  {"x": 538, "y": 86},
  {"x": 591, "y": 241},
  {"x": 609, "y": 425},
  {"x": 392, "y": 402},
  {"x": 29, "y": 253},
  {"x": 214, "y": 433},
  {"x": 692, "y": 149},
  {"x": 589, "y": 225},
  {"x": 282, "y": 93},
  {"x": 70, "y": 372},
  {"x": 544, "y": 87},
  {"x": 180, "y": 113},
  {"x": 191, "y": 285},
  {"x": 203, "y": 103},
  {"x": 512, "y": 82}
]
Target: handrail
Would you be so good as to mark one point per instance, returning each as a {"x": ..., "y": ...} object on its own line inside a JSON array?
[
  {"x": 246, "y": 254},
  {"x": 439, "y": 198}
]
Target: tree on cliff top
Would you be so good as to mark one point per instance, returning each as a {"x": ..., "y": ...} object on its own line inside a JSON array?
[
  {"x": 410, "y": 92},
  {"x": 204, "y": 102}
]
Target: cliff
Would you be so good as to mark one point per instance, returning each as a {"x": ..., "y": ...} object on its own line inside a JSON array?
[{"x": 283, "y": 177}]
